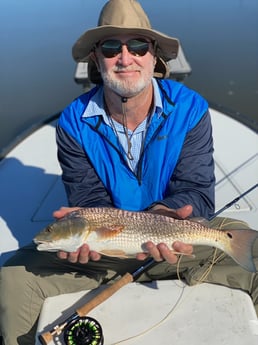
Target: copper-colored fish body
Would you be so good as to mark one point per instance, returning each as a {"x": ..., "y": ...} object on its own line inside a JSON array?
[{"x": 122, "y": 233}]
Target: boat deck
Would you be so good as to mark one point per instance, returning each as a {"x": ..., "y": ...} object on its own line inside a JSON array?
[
  {"x": 31, "y": 186},
  {"x": 163, "y": 312},
  {"x": 31, "y": 189}
]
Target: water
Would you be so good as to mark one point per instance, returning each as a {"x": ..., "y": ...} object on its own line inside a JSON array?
[{"x": 220, "y": 40}]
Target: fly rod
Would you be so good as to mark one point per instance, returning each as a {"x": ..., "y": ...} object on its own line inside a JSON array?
[
  {"x": 127, "y": 278},
  {"x": 232, "y": 202},
  {"x": 85, "y": 325}
]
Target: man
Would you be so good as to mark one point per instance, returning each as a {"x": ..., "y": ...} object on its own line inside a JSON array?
[{"x": 133, "y": 142}]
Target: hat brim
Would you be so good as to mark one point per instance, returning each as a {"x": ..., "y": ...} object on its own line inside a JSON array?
[{"x": 167, "y": 46}]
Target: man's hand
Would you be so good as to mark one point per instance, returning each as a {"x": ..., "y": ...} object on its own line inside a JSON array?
[
  {"x": 180, "y": 213},
  {"x": 83, "y": 254},
  {"x": 64, "y": 211},
  {"x": 161, "y": 251}
]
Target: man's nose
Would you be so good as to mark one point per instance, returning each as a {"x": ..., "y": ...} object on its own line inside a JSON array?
[{"x": 125, "y": 57}]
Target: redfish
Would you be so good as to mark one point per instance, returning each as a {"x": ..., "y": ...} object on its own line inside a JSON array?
[{"x": 120, "y": 233}]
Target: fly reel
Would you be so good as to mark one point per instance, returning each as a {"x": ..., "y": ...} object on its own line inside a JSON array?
[{"x": 83, "y": 331}]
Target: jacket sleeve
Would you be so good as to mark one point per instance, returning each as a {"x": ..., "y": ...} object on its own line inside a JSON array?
[
  {"x": 193, "y": 180},
  {"x": 82, "y": 185}
]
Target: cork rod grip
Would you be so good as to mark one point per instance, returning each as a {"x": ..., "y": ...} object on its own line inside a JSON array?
[
  {"x": 104, "y": 295},
  {"x": 47, "y": 337}
]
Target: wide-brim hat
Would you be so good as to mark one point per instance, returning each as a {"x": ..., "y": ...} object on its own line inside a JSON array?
[{"x": 124, "y": 17}]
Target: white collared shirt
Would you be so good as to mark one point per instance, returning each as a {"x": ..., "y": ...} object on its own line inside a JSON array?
[{"x": 96, "y": 108}]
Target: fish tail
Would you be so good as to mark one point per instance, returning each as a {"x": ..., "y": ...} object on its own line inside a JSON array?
[{"x": 242, "y": 242}]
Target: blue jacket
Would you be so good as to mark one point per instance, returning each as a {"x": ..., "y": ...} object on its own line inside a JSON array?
[{"x": 175, "y": 168}]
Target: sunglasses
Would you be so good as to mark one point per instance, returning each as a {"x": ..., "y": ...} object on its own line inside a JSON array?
[{"x": 136, "y": 47}]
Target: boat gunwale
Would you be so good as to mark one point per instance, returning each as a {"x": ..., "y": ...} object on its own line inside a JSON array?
[{"x": 240, "y": 117}]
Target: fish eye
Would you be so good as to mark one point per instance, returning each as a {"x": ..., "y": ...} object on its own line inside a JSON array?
[{"x": 229, "y": 235}]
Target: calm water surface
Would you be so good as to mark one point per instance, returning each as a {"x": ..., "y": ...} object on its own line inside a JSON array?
[{"x": 220, "y": 40}]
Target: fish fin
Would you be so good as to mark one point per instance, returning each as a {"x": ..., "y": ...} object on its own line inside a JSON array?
[
  {"x": 163, "y": 212},
  {"x": 106, "y": 232},
  {"x": 242, "y": 242},
  {"x": 200, "y": 220},
  {"x": 114, "y": 253},
  {"x": 170, "y": 213}
]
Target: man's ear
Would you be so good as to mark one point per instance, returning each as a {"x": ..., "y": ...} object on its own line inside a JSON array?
[{"x": 155, "y": 61}]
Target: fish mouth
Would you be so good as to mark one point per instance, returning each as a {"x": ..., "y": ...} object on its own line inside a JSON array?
[
  {"x": 40, "y": 241},
  {"x": 43, "y": 245}
]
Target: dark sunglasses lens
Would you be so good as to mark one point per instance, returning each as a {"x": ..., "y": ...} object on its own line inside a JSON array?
[
  {"x": 138, "y": 47},
  {"x": 111, "y": 48}
]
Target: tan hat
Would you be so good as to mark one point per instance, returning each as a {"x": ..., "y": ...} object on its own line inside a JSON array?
[{"x": 124, "y": 17}]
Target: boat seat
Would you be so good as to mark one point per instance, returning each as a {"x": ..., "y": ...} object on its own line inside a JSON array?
[{"x": 162, "y": 312}]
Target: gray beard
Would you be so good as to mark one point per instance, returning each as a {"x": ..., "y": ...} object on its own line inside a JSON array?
[{"x": 125, "y": 88}]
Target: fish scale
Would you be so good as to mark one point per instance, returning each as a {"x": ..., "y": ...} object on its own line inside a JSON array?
[
  {"x": 121, "y": 233},
  {"x": 144, "y": 226}
]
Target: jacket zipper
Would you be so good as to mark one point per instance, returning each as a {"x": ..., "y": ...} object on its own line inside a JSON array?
[{"x": 139, "y": 166}]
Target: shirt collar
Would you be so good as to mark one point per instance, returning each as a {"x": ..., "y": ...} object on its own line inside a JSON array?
[{"x": 96, "y": 107}]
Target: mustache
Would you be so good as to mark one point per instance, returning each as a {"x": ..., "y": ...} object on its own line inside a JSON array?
[{"x": 125, "y": 69}]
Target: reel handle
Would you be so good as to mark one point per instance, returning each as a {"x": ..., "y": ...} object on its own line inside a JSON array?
[{"x": 45, "y": 338}]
